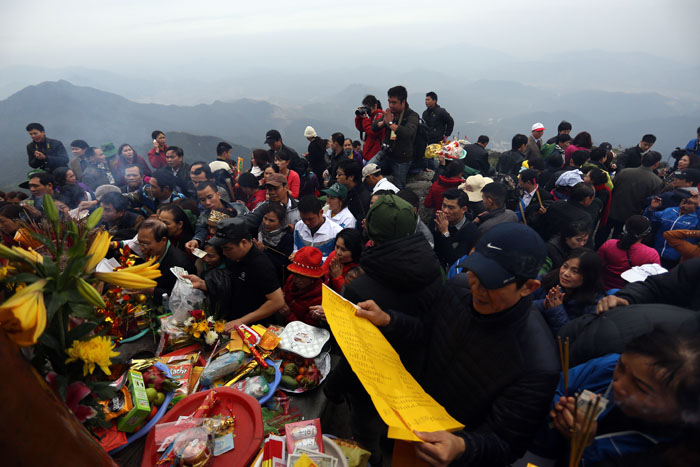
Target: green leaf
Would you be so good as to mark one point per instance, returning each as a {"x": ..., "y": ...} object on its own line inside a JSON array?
[
  {"x": 62, "y": 385},
  {"x": 46, "y": 241},
  {"x": 82, "y": 311},
  {"x": 80, "y": 331},
  {"x": 78, "y": 248},
  {"x": 94, "y": 218},
  {"x": 51, "y": 211},
  {"x": 48, "y": 340},
  {"x": 103, "y": 390},
  {"x": 56, "y": 301},
  {"x": 26, "y": 277}
]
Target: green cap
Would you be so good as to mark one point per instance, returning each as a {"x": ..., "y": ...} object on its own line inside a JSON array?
[
  {"x": 390, "y": 218},
  {"x": 109, "y": 150},
  {"x": 337, "y": 190}
]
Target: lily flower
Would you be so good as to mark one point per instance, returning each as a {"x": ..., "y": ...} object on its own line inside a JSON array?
[
  {"x": 23, "y": 316},
  {"x": 98, "y": 250}
]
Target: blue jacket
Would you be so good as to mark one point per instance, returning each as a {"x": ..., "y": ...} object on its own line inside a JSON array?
[
  {"x": 670, "y": 219},
  {"x": 560, "y": 315},
  {"x": 693, "y": 146},
  {"x": 596, "y": 375}
]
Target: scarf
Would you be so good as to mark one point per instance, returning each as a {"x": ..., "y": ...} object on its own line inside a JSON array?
[
  {"x": 271, "y": 238},
  {"x": 606, "y": 208}
]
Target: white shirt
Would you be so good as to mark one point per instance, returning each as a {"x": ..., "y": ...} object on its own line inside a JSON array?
[
  {"x": 385, "y": 184},
  {"x": 344, "y": 218},
  {"x": 527, "y": 197}
]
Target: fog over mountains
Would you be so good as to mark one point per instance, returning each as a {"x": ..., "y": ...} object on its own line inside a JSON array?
[{"x": 616, "y": 97}]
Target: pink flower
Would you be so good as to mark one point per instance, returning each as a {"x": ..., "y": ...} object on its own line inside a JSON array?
[{"x": 76, "y": 392}]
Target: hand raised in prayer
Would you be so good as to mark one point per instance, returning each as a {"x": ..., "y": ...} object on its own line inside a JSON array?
[{"x": 554, "y": 298}]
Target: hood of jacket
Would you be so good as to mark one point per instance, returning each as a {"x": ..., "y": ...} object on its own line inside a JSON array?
[
  {"x": 405, "y": 263},
  {"x": 450, "y": 182}
]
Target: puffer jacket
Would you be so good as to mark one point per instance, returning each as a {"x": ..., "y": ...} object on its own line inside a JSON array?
[
  {"x": 670, "y": 219},
  {"x": 593, "y": 335},
  {"x": 434, "y": 197},
  {"x": 494, "y": 373}
]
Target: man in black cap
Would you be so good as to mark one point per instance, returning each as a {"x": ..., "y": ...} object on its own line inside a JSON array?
[
  {"x": 683, "y": 182},
  {"x": 492, "y": 361},
  {"x": 273, "y": 138},
  {"x": 247, "y": 290}
]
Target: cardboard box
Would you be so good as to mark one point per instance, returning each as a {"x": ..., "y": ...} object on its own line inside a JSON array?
[{"x": 131, "y": 421}]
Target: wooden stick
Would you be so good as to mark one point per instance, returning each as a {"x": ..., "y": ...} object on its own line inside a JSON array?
[
  {"x": 566, "y": 369},
  {"x": 583, "y": 437}
]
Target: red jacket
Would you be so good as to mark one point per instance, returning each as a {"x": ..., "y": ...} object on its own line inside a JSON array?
[
  {"x": 299, "y": 301},
  {"x": 338, "y": 282},
  {"x": 442, "y": 184},
  {"x": 157, "y": 159},
  {"x": 373, "y": 139}
]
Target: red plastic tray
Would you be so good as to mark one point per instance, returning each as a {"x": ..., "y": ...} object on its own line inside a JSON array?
[{"x": 248, "y": 429}]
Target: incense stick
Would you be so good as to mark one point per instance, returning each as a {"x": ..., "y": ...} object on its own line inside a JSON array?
[{"x": 564, "y": 360}]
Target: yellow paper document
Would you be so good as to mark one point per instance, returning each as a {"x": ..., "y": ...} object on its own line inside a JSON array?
[{"x": 401, "y": 402}]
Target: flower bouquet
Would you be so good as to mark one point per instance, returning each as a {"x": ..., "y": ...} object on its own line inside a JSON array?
[
  {"x": 204, "y": 329},
  {"x": 49, "y": 304}
]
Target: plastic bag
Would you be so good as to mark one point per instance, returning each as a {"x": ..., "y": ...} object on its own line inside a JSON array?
[
  {"x": 222, "y": 366},
  {"x": 256, "y": 386},
  {"x": 183, "y": 299}
]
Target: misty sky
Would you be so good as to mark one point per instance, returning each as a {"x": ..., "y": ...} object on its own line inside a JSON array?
[{"x": 153, "y": 36}]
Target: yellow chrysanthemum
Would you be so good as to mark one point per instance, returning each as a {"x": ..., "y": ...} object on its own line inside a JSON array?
[
  {"x": 96, "y": 351},
  {"x": 202, "y": 326},
  {"x": 196, "y": 334},
  {"x": 219, "y": 327}
]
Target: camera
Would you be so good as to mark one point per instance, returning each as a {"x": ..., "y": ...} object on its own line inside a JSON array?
[{"x": 362, "y": 110}]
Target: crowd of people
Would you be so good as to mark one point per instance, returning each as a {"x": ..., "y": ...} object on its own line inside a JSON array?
[{"x": 517, "y": 249}]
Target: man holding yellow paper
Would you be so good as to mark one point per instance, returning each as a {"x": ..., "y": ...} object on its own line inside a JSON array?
[{"x": 491, "y": 359}]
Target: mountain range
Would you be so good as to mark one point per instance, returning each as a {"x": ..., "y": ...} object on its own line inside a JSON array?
[{"x": 497, "y": 108}]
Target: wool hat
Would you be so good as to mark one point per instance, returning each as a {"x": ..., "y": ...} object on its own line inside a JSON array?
[
  {"x": 506, "y": 253},
  {"x": 390, "y": 218},
  {"x": 307, "y": 262},
  {"x": 309, "y": 132},
  {"x": 538, "y": 127},
  {"x": 473, "y": 185},
  {"x": 337, "y": 191}
]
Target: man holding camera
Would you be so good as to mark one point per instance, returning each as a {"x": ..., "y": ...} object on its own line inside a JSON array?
[
  {"x": 401, "y": 124},
  {"x": 365, "y": 115}
]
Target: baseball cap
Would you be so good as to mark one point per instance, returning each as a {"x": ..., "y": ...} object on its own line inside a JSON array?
[
  {"x": 30, "y": 174},
  {"x": 337, "y": 190},
  {"x": 272, "y": 136},
  {"x": 538, "y": 127},
  {"x": 688, "y": 174},
  {"x": 230, "y": 230},
  {"x": 506, "y": 253},
  {"x": 370, "y": 169},
  {"x": 607, "y": 147},
  {"x": 276, "y": 180}
]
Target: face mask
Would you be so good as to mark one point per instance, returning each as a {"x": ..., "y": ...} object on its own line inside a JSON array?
[{"x": 348, "y": 152}]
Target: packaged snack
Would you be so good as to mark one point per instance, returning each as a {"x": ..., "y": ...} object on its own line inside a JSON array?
[
  {"x": 223, "y": 366},
  {"x": 180, "y": 367},
  {"x": 118, "y": 405},
  {"x": 305, "y": 434},
  {"x": 255, "y": 386},
  {"x": 130, "y": 421}
]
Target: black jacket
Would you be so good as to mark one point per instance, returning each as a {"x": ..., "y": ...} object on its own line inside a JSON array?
[
  {"x": 631, "y": 158},
  {"x": 532, "y": 211},
  {"x": 359, "y": 198},
  {"x": 459, "y": 243},
  {"x": 496, "y": 373},
  {"x": 559, "y": 214},
  {"x": 439, "y": 124},
  {"x": 509, "y": 163},
  {"x": 402, "y": 146},
  {"x": 477, "y": 158},
  {"x": 677, "y": 287},
  {"x": 594, "y": 336},
  {"x": 54, "y": 151},
  {"x": 402, "y": 274},
  {"x": 173, "y": 257},
  {"x": 317, "y": 156},
  {"x": 127, "y": 227},
  {"x": 336, "y": 159}
]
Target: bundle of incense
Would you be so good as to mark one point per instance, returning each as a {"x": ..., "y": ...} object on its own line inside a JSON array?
[
  {"x": 564, "y": 359},
  {"x": 583, "y": 434}
]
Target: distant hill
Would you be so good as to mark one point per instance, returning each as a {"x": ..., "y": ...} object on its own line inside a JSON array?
[{"x": 497, "y": 108}]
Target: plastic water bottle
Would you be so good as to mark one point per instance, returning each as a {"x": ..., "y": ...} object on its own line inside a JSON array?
[{"x": 165, "y": 301}]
